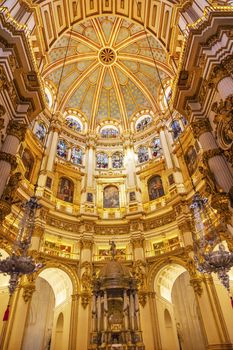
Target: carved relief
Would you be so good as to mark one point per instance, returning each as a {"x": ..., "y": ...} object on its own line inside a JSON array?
[
  {"x": 10, "y": 189},
  {"x": 200, "y": 126},
  {"x": 9, "y": 158}
]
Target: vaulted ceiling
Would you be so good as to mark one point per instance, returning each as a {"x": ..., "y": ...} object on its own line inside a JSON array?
[{"x": 110, "y": 69}]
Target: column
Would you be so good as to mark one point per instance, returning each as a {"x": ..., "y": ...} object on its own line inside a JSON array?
[
  {"x": 52, "y": 151},
  {"x": 105, "y": 311},
  {"x": 73, "y": 321},
  {"x": 94, "y": 313},
  {"x": 136, "y": 305},
  {"x": 131, "y": 310},
  {"x": 166, "y": 150},
  {"x": 18, "y": 316},
  {"x": 225, "y": 87},
  {"x": 125, "y": 310},
  {"x": 98, "y": 312},
  {"x": 213, "y": 322},
  {"x": 15, "y": 134},
  {"x": 69, "y": 154},
  {"x": 212, "y": 154},
  {"x": 137, "y": 242}
]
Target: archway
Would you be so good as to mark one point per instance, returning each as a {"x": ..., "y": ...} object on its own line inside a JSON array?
[
  {"x": 49, "y": 313},
  {"x": 177, "y": 310}
]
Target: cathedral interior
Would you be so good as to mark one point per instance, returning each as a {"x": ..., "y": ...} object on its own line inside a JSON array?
[{"x": 116, "y": 178}]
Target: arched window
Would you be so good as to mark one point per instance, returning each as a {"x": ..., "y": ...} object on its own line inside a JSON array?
[
  {"x": 155, "y": 187},
  {"x": 109, "y": 132},
  {"x": 40, "y": 131},
  {"x": 156, "y": 147},
  {"x": 111, "y": 197},
  {"x": 65, "y": 190},
  {"x": 143, "y": 154},
  {"x": 28, "y": 162},
  {"x": 76, "y": 155},
  {"x": 74, "y": 123},
  {"x": 191, "y": 159},
  {"x": 117, "y": 160},
  {"x": 102, "y": 161},
  {"x": 62, "y": 149},
  {"x": 143, "y": 122},
  {"x": 176, "y": 129}
]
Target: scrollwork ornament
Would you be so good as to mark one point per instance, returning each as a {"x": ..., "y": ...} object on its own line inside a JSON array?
[
  {"x": 196, "y": 283},
  {"x": 16, "y": 129},
  {"x": 10, "y": 189},
  {"x": 85, "y": 298},
  {"x": 3, "y": 79},
  {"x": 9, "y": 158}
]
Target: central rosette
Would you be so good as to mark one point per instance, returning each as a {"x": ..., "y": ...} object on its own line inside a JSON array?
[{"x": 107, "y": 56}]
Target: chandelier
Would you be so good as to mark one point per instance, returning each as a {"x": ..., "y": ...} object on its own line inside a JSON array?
[
  {"x": 205, "y": 238},
  {"x": 19, "y": 262}
]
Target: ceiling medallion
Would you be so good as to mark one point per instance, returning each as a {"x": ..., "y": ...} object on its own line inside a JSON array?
[{"x": 107, "y": 56}]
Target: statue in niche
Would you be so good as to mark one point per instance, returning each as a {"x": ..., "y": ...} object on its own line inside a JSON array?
[
  {"x": 155, "y": 187},
  {"x": 111, "y": 197},
  {"x": 65, "y": 190}
]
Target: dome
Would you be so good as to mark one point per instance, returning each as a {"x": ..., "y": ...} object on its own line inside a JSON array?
[
  {"x": 114, "y": 269},
  {"x": 109, "y": 73}
]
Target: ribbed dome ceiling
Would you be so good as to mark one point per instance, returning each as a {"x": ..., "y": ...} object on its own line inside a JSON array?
[{"x": 109, "y": 72}]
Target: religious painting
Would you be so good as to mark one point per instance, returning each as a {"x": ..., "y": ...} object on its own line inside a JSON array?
[
  {"x": 191, "y": 159},
  {"x": 89, "y": 197},
  {"x": 158, "y": 248},
  {"x": 143, "y": 154},
  {"x": 171, "y": 179},
  {"x": 156, "y": 148},
  {"x": 111, "y": 197},
  {"x": 155, "y": 187},
  {"x": 102, "y": 161},
  {"x": 65, "y": 190},
  {"x": 132, "y": 196},
  {"x": 48, "y": 182},
  {"x": 28, "y": 162}
]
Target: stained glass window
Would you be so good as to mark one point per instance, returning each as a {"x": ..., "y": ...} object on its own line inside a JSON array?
[
  {"x": 143, "y": 123},
  {"x": 176, "y": 129},
  {"x": 40, "y": 132},
  {"x": 73, "y": 123},
  {"x": 101, "y": 161},
  {"x": 117, "y": 160},
  {"x": 62, "y": 149},
  {"x": 76, "y": 155},
  {"x": 156, "y": 148},
  {"x": 108, "y": 133},
  {"x": 143, "y": 155}
]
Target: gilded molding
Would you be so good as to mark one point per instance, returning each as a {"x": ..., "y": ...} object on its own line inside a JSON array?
[
  {"x": 16, "y": 129},
  {"x": 200, "y": 126},
  {"x": 195, "y": 279},
  {"x": 28, "y": 290},
  {"x": 3, "y": 79},
  {"x": 9, "y": 158},
  {"x": 137, "y": 242},
  {"x": 86, "y": 243}
]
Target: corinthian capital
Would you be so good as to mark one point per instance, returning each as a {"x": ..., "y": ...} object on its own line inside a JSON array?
[
  {"x": 16, "y": 129},
  {"x": 200, "y": 126}
]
